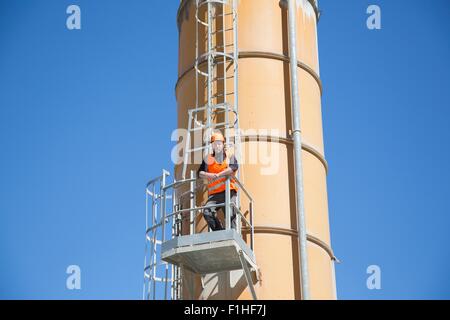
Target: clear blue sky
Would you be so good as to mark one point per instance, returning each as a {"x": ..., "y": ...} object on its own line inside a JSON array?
[{"x": 79, "y": 138}]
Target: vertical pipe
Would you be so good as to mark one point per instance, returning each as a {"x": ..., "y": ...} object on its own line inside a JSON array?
[
  {"x": 295, "y": 105},
  {"x": 333, "y": 277}
]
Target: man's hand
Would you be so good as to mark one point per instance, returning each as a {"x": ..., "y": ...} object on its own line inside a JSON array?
[{"x": 214, "y": 176}]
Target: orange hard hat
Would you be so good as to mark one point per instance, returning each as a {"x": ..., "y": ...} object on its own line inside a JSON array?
[{"x": 217, "y": 136}]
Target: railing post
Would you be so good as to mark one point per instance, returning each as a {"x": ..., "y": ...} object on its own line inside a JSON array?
[
  {"x": 227, "y": 203},
  {"x": 163, "y": 217},
  {"x": 188, "y": 145},
  {"x": 238, "y": 219},
  {"x": 163, "y": 207},
  {"x": 146, "y": 242},
  {"x": 252, "y": 229},
  {"x": 192, "y": 203},
  {"x": 154, "y": 237}
]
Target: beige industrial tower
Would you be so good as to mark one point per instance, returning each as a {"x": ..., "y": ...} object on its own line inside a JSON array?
[
  {"x": 265, "y": 103},
  {"x": 259, "y": 82}
]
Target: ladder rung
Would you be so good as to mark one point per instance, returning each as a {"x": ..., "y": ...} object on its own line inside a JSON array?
[
  {"x": 204, "y": 57},
  {"x": 221, "y": 124},
  {"x": 196, "y": 149},
  {"x": 222, "y": 110},
  {"x": 221, "y": 95},
  {"x": 156, "y": 241},
  {"x": 220, "y": 106},
  {"x": 221, "y": 78},
  {"x": 217, "y": 79},
  {"x": 161, "y": 279},
  {"x": 228, "y": 45},
  {"x": 221, "y": 15},
  {"x": 222, "y": 30},
  {"x": 196, "y": 129},
  {"x": 223, "y": 60}
]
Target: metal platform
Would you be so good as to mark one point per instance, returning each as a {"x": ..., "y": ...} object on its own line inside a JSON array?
[{"x": 209, "y": 252}]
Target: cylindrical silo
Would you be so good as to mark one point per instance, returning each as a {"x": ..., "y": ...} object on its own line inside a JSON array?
[{"x": 265, "y": 110}]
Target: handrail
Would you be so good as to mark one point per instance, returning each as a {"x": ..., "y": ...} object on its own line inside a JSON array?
[
  {"x": 188, "y": 210},
  {"x": 239, "y": 183},
  {"x": 182, "y": 211},
  {"x": 153, "y": 181},
  {"x": 178, "y": 183},
  {"x": 242, "y": 215},
  {"x": 160, "y": 178}
]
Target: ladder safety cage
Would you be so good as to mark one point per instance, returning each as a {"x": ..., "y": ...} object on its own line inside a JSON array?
[
  {"x": 216, "y": 71},
  {"x": 161, "y": 280}
]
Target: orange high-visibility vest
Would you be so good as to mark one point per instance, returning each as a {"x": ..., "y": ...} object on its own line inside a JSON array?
[{"x": 218, "y": 185}]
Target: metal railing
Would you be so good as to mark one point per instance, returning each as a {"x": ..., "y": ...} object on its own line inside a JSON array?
[{"x": 161, "y": 279}]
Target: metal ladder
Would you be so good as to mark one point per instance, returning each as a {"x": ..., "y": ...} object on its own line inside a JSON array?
[{"x": 216, "y": 70}]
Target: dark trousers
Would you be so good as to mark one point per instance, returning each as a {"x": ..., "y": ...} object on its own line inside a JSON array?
[{"x": 210, "y": 214}]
